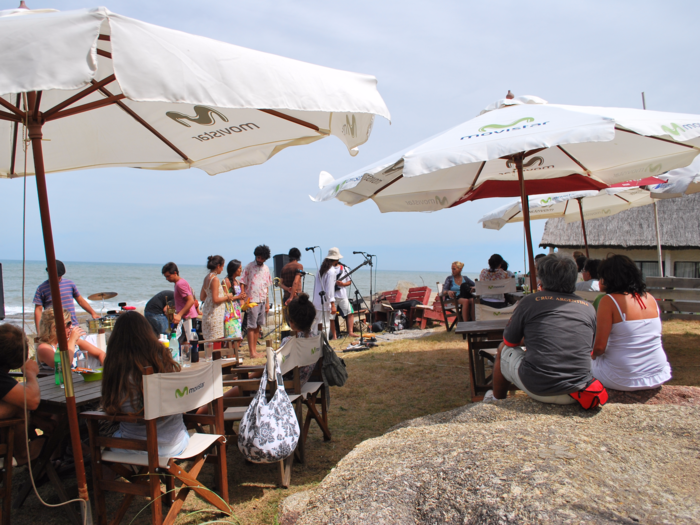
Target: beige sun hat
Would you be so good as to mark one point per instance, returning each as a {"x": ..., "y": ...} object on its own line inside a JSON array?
[{"x": 334, "y": 254}]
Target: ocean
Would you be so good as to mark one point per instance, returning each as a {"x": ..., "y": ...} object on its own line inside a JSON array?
[{"x": 137, "y": 283}]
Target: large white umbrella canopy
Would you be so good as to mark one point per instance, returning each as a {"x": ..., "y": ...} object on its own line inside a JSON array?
[
  {"x": 523, "y": 146},
  {"x": 164, "y": 99},
  {"x": 572, "y": 148},
  {"x": 680, "y": 182},
  {"x": 106, "y": 90}
]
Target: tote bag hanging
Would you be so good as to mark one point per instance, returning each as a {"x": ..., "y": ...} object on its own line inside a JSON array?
[{"x": 269, "y": 431}]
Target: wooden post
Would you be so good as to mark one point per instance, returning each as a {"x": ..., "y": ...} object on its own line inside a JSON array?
[
  {"x": 518, "y": 158},
  {"x": 583, "y": 226},
  {"x": 658, "y": 238}
]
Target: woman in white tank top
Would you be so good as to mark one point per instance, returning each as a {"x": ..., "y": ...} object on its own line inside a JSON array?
[{"x": 627, "y": 353}]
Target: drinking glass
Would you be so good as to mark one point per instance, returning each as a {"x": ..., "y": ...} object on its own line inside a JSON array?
[
  {"x": 208, "y": 350},
  {"x": 185, "y": 354}
]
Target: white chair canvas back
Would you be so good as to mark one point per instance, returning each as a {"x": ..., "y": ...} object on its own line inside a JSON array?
[
  {"x": 180, "y": 392},
  {"x": 299, "y": 351},
  {"x": 495, "y": 287},
  {"x": 588, "y": 296},
  {"x": 488, "y": 313}
]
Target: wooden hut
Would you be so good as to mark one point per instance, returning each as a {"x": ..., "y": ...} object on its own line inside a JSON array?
[{"x": 633, "y": 233}]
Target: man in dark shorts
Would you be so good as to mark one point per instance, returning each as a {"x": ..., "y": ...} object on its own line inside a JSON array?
[
  {"x": 156, "y": 310},
  {"x": 547, "y": 344},
  {"x": 256, "y": 281}
]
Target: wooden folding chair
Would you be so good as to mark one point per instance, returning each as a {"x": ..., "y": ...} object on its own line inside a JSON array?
[
  {"x": 484, "y": 312},
  {"x": 8, "y": 427},
  {"x": 382, "y": 312},
  {"x": 164, "y": 395},
  {"x": 417, "y": 313}
]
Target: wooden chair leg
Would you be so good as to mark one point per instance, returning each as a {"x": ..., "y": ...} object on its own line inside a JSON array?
[
  {"x": 312, "y": 413},
  {"x": 7, "y": 488},
  {"x": 169, "y": 495},
  {"x": 97, "y": 474},
  {"x": 284, "y": 477},
  {"x": 156, "y": 501},
  {"x": 222, "y": 471},
  {"x": 300, "y": 451}
]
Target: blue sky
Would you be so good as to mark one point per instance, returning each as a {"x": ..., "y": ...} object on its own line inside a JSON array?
[{"x": 438, "y": 64}]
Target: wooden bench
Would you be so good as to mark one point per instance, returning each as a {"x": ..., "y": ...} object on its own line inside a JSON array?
[{"x": 678, "y": 297}]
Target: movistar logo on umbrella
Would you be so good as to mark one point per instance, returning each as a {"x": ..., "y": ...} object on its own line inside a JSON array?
[
  {"x": 676, "y": 129},
  {"x": 425, "y": 202},
  {"x": 350, "y": 126},
  {"x": 516, "y": 125},
  {"x": 203, "y": 115}
]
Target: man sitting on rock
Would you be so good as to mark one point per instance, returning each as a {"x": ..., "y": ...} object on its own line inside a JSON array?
[{"x": 546, "y": 349}]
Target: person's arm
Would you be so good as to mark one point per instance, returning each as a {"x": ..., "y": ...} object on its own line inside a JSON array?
[
  {"x": 514, "y": 334},
  {"x": 30, "y": 386},
  {"x": 604, "y": 322},
  {"x": 215, "y": 289},
  {"x": 92, "y": 350},
  {"x": 86, "y": 306},
  {"x": 38, "y": 309},
  {"x": 188, "y": 305}
]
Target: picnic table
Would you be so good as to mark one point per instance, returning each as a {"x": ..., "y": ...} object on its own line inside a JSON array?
[
  {"x": 53, "y": 400},
  {"x": 480, "y": 335}
]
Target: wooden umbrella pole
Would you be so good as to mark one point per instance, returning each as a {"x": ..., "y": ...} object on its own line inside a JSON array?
[
  {"x": 583, "y": 226},
  {"x": 518, "y": 158},
  {"x": 658, "y": 239},
  {"x": 35, "y": 135}
]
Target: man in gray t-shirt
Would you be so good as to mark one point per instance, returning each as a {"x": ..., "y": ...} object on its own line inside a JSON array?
[{"x": 558, "y": 329}]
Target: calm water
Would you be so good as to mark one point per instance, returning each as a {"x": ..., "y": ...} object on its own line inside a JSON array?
[{"x": 137, "y": 283}]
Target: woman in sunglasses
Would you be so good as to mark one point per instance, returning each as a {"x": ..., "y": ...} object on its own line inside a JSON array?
[{"x": 48, "y": 340}]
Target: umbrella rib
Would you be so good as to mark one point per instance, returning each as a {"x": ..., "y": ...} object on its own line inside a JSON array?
[
  {"x": 387, "y": 185},
  {"x": 84, "y": 93},
  {"x": 104, "y": 53},
  {"x": 87, "y": 107},
  {"x": 145, "y": 124},
  {"x": 291, "y": 119},
  {"x": 15, "y": 132},
  {"x": 575, "y": 160},
  {"x": 657, "y": 138},
  {"x": 459, "y": 201},
  {"x": 12, "y": 108},
  {"x": 9, "y": 116}
]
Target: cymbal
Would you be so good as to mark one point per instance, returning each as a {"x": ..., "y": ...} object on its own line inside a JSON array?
[{"x": 102, "y": 296}]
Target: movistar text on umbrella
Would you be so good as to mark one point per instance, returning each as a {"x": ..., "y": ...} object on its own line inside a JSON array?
[
  {"x": 515, "y": 128},
  {"x": 211, "y": 135}
]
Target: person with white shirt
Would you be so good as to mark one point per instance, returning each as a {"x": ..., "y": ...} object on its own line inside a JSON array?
[
  {"x": 325, "y": 282},
  {"x": 341, "y": 298},
  {"x": 590, "y": 277}
]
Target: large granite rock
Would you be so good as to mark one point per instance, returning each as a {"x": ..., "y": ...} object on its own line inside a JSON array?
[{"x": 519, "y": 461}]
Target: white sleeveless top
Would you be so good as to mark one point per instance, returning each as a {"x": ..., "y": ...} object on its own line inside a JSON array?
[{"x": 634, "y": 358}]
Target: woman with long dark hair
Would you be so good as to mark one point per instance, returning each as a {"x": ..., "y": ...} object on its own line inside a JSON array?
[
  {"x": 325, "y": 283},
  {"x": 133, "y": 346},
  {"x": 214, "y": 296},
  {"x": 628, "y": 353}
]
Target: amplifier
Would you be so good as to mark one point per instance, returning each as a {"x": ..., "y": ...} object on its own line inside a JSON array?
[{"x": 280, "y": 260}]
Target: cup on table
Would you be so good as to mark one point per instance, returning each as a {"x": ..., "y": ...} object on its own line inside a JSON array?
[
  {"x": 186, "y": 354},
  {"x": 208, "y": 351}
]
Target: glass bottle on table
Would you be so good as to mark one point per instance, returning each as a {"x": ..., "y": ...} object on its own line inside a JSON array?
[{"x": 57, "y": 368}]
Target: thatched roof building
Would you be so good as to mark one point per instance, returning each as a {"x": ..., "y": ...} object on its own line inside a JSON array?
[
  {"x": 679, "y": 220},
  {"x": 633, "y": 233}
]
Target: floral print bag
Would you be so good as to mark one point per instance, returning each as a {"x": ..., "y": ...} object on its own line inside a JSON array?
[{"x": 269, "y": 431}]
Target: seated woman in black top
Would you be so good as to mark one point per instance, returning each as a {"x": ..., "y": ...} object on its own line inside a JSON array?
[{"x": 458, "y": 286}]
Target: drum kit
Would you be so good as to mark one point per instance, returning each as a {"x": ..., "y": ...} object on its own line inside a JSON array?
[{"x": 105, "y": 322}]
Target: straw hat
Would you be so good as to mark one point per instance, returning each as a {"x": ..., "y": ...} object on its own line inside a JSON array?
[{"x": 334, "y": 254}]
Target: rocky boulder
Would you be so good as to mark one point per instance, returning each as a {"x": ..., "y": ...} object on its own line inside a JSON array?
[{"x": 519, "y": 461}]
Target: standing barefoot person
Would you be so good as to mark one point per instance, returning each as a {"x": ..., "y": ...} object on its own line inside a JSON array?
[
  {"x": 233, "y": 271},
  {"x": 255, "y": 282}
]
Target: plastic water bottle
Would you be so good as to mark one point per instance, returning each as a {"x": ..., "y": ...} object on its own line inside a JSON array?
[
  {"x": 174, "y": 347},
  {"x": 193, "y": 335},
  {"x": 81, "y": 359},
  {"x": 57, "y": 368}
]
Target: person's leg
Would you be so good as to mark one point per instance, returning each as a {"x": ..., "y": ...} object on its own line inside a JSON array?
[
  {"x": 333, "y": 334},
  {"x": 253, "y": 336},
  {"x": 500, "y": 384},
  {"x": 466, "y": 309},
  {"x": 350, "y": 321}
]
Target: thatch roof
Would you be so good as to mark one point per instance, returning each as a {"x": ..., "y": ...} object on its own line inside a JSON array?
[{"x": 679, "y": 220}]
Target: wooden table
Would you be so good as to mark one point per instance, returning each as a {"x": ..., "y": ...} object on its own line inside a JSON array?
[
  {"x": 480, "y": 335},
  {"x": 53, "y": 400}
]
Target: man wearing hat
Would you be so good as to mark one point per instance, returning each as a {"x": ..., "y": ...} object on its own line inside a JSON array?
[
  {"x": 42, "y": 297},
  {"x": 324, "y": 290}
]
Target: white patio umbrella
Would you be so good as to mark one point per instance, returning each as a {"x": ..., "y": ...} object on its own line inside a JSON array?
[
  {"x": 575, "y": 206},
  {"x": 680, "y": 182},
  {"x": 523, "y": 146},
  {"x": 106, "y": 90}
]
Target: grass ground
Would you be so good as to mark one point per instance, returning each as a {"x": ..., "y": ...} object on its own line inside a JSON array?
[{"x": 389, "y": 384}]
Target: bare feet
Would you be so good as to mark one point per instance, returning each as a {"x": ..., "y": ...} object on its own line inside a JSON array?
[
  {"x": 254, "y": 356},
  {"x": 353, "y": 335}
]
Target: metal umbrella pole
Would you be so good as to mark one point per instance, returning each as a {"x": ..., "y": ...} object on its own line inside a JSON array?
[{"x": 34, "y": 125}]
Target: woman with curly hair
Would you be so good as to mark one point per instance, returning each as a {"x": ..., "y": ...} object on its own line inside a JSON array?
[
  {"x": 133, "y": 346},
  {"x": 627, "y": 353}
]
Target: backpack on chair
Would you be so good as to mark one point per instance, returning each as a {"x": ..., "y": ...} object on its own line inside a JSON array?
[{"x": 333, "y": 372}]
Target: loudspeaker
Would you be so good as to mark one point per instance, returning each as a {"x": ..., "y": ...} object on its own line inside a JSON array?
[
  {"x": 280, "y": 260},
  {"x": 2, "y": 296}
]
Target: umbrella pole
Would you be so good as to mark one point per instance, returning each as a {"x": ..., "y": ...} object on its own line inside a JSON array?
[
  {"x": 35, "y": 134},
  {"x": 658, "y": 239},
  {"x": 518, "y": 158},
  {"x": 583, "y": 226}
]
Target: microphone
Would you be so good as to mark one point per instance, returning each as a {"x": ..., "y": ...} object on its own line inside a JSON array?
[
  {"x": 355, "y": 253},
  {"x": 302, "y": 272},
  {"x": 310, "y": 248}
]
